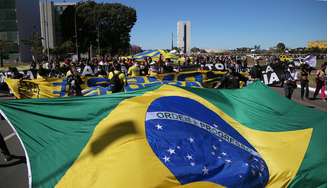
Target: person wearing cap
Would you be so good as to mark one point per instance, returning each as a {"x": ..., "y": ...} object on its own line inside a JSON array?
[{"x": 290, "y": 81}]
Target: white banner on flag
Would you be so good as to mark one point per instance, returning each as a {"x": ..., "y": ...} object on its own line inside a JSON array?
[{"x": 311, "y": 60}]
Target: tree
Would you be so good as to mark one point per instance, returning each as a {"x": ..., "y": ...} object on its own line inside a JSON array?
[
  {"x": 176, "y": 49},
  {"x": 135, "y": 49},
  {"x": 203, "y": 51},
  {"x": 281, "y": 47},
  {"x": 195, "y": 50},
  {"x": 243, "y": 50},
  {"x": 116, "y": 22},
  {"x": 107, "y": 25},
  {"x": 67, "y": 23},
  {"x": 67, "y": 47},
  {"x": 315, "y": 50}
]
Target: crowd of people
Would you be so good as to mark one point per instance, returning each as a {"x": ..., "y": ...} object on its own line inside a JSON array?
[
  {"x": 292, "y": 76},
  {"x": 117, "y": 69},
  {"x": 147, "y": 66}
]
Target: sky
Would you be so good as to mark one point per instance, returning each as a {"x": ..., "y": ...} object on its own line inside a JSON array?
[{"x": 229, "y": 24}]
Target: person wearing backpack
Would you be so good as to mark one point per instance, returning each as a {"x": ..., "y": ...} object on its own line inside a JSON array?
[{"x": 117, "y": 79}]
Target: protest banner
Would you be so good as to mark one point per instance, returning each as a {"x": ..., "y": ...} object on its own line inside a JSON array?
[{"x": 91, "y": 86}]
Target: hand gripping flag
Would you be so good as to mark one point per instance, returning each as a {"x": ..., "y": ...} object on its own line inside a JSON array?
[{"x": 169, "y": 136}]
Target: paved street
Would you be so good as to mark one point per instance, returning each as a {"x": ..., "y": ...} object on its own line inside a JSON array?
[
  {"x": 318, "y": 103},
  {"x": 14, "y": 173}
]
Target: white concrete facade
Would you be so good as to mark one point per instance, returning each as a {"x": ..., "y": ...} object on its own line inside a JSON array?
[
  {"x": 47, "y": 24},
  {"x": 184, "y": 35},
  {"x": 180, "y": 33},
  {"x": 187, "y": 36}
]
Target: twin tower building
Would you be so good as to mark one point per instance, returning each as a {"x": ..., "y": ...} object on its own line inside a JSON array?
[{"x": 183, "y": 37}]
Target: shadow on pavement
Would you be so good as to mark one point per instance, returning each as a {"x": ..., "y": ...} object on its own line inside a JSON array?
[{"x": 15, "y": 161}]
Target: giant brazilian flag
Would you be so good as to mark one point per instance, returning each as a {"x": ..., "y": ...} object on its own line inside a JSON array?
[
  {"x": 169, "y": 136},
  {"x": 154, "y": 54}
]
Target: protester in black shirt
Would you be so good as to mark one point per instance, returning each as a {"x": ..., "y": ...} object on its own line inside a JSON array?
[
  {"x": 33, "y": 65},
  {"x": 304, "y": 80},
  {"x": 230, "y": 80},
  {"x": 116, "y": 79},
  {"x": 290, "y": 81},
  {"x": 144, "y": 68},
  {"x": 168, "y": 66},
  {"x": 256, "y": 71}
]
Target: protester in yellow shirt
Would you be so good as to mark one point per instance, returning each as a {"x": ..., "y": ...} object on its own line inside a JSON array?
[
  {"x": 134, "y": 70},
  {"x": 117, "y": 79}
]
